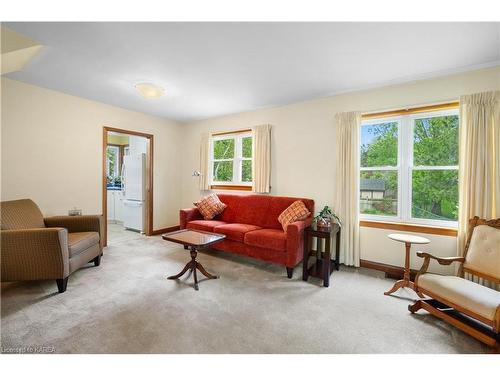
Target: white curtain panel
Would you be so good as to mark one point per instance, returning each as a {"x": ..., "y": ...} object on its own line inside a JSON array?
[
  {"x": 261, "y": 159},
  {"x": 479, "y": 171},
  {"x": 346, "y": 203},
  {"x": 204, "y": 159}
]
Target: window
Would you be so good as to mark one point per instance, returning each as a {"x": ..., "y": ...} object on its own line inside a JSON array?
[
  {"x": 113, "y": 157},
  {"x": 231, "y": 159},
  {"x": 409, "y": 168}
]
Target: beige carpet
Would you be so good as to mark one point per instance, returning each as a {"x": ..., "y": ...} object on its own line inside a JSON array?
[{"x": 127, "y": 306}]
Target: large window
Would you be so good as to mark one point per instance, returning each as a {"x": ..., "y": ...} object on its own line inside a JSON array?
[
  {"x": 409, "y": 168},
  {"x": 231, "y": 159}
]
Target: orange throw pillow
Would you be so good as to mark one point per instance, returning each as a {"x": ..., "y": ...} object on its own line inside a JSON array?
[
  {"x": 210, "y": 206},
  {"x": 295, "y": 212}
]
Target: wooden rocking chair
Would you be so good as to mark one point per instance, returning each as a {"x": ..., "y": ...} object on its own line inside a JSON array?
[{"x": 471, "y": 307}]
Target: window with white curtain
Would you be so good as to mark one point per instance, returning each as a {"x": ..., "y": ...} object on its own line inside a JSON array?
[
  {"x": 409, "y": 168},
  {"x": 231, "y": 159}
]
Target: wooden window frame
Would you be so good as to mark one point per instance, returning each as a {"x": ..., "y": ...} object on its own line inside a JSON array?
[
  {"x": 237, "y": 160},
  {"x": 405, "y": 227},
  {"x": 406, "y": 119}
]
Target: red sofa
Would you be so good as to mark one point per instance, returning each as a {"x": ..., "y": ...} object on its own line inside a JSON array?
[{"x": 250, "y": 223}]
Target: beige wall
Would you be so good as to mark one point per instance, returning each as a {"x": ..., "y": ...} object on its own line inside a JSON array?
[
  {"x": 52, "y": 149},
  {"x": 302, "y": 144}
]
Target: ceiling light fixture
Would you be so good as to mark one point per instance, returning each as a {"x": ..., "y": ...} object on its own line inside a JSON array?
[{"x": 149, "y": 90}]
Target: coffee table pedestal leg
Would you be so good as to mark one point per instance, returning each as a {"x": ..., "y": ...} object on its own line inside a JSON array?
[
  {"x": 193, "y": 265},
  {"x": 405, "y": 283}
]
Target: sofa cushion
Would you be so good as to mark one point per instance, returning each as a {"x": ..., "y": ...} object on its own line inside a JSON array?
[
  {"x": 235, "y": 232},
  {"x": 81, "y": 241},
  {"x": 257, "y": 209},
  {"x": 472, "y": 296},
  {"x": 206, "y": 225},
  {"x": 296, "y": 211},
  {"x": 210, "y": 206},
  {"x": 267, "y": 238}
]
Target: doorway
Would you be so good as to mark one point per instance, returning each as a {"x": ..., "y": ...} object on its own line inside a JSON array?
[{"x": 127, "y": 183}]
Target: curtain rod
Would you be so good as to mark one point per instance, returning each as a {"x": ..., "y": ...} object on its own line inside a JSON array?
[
  {"x": 232, "y": 132},
  {"x": 406, "y": 111}
]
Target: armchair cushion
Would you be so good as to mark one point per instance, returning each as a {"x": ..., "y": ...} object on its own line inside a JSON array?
[
  {"x": 483, "y": 255},
  {"x": 83, "y": 223},
  {"x": 21, "y": 214},
  {"x": 471, "y": 296},
  {"x": 81, "y": 241}
]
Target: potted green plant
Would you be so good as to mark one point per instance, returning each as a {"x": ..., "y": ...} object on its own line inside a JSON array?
[{"x": 325, "y": 216}]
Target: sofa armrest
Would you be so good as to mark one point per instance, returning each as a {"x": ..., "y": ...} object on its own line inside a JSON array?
[
  {"x": 188, "y": 214},
  {"x": 34, "y": 254},
  {"x": 81, "y": 223},
  {"x": 295, "y": 241}
]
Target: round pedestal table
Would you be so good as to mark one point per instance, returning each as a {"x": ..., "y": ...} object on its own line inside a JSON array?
[{"x": 408, "y": 239}]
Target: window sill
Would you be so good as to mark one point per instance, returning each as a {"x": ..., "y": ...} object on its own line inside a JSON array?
[
  {"x": 441, "y": 231},
  {"x": 231, "y": 187}
]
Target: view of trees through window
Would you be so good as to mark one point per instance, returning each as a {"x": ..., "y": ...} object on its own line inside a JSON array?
[
  {"x": 430, "y": 172},
  {"x": 232, "y": 159},
  {"x": 435, "y": 191},
  {"x": 379, "y": 175},
  {"x": 112, "y": 155}
]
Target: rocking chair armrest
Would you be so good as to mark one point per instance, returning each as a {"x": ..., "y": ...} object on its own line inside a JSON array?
[{"x": 445, "y": 261}]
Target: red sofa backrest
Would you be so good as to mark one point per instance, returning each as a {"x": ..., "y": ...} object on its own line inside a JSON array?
[{"x": 261, "y": 210}]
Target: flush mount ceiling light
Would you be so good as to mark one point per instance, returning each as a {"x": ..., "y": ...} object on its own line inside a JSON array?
[{"x": 149, "y": 90}]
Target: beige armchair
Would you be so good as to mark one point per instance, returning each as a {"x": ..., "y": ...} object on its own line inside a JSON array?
[
  {"x": 469, "y": 306},
  {"x": 34, "y": 248}
]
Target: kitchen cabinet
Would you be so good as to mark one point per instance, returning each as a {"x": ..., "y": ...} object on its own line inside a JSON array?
[
  {"x": 115, "y": 205},
  {"x": 118, "y": 206},
  {"x": 111, "y": 205}
]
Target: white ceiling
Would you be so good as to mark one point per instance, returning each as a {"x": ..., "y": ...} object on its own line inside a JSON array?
[{"x": 213, "y": 69}]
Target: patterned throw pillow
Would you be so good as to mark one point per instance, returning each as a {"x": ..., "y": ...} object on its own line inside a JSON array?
[
  {"x": 210, "y": 206},
  {"x": 296, "y": 211}
]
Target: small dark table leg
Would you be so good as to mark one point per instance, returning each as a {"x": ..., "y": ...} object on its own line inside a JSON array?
[
  {"x": 337, "y": 250},
  {"x": 184, "y": 270},
  {"x": 195, "y": 276},
  {"x": 205, "y": 273},
  {"x": 192, "y": 266},
  {"x": 306, "y": 250},
  {"x": 327, "y": 262},
  {"x": 319, "y": 250}
]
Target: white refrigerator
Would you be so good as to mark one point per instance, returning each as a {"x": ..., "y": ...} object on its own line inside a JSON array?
[{"x": 134, "y": 191}]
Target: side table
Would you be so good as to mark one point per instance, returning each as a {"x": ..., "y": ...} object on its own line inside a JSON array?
[
  {"x": 408, "y": 240},
  {"x": 323, "y": 265}
]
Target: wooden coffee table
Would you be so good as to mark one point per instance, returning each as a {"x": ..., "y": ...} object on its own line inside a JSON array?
[{"x": 193, "y": 240}]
